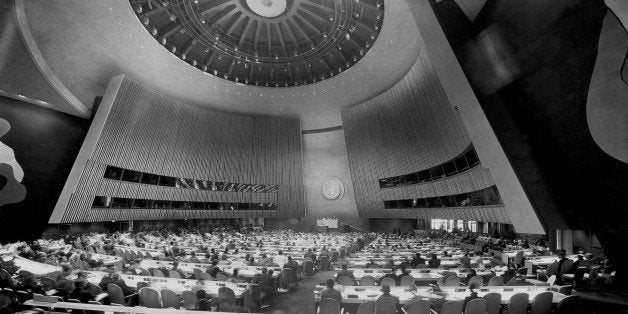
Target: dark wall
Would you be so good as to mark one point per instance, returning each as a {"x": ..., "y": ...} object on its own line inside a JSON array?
[
  {"x": 540, "y": 115},
  {"x": 45, "y": 143},
  {"x": 389, "y": 225}
]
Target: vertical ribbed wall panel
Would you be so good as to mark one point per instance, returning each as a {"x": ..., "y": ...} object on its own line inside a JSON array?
[
  {"x": 409, "y": 128},
  {"x": 147, "y": 132}
]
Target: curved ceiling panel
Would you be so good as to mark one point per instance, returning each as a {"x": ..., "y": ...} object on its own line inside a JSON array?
[
  {"x": 88, "y": 42},
  {"x": 265, "y": 42}
]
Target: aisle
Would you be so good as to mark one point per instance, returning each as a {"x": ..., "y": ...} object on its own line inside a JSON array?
[{"x": 300, "y": 300}]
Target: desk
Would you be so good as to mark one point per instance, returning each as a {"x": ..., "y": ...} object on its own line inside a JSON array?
[
  {"x": 106, "y": 259},
  {"x": 361, "y": 294},
  {"x": 36, "y": 268},
  {"x": 110, "y": 309},
  {"x": 174, "y": 284},
  {"x": 245, "y": 271}
]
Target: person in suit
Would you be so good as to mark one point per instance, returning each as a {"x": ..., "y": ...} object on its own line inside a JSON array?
[
  {"x": 434, "y": 262},
  {"x": 386, "y": 294},
  {"x": 330, "y": 292},
  {"x": 474, "y": 295},
  {"x": 202, "y": 302},
  {"x": 120, "y": 282},
  {"x": 392, "y": 274},
  {"x": 105, "y": 280},
  {"x": 520, "y": 279},
  {"x": 345, "y": 272},
  {"x": 175, "y": 267},
  {"x": 81, "y": 292},
  {"x": 267, "y": 283}
]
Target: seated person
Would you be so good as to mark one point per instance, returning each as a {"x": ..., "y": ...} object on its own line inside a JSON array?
[
  {"x": 264, "y": 260},
  {"x": 105, "y": 280},
  {"x": 235, "y": 276},
  {"x": 386, "y": 294},
  {"x": 120, "y": 282},
  {"x": 267, "y": 283},
  {"x": 193, "y": 258},
  {"x": 474, "y": 294},
  {"x": 372, "y": 264},
  {"x": 175, "y": 267},
  {"x": 81, "y": 292},
  {"x": 392, "y": 274},
  {"x": 470, "y": 274},
  {"x": 417, "y": 260},
  {"x": 202, "y": 303},
  {"x": 520, "y": 278},
  {"x": 345, "y": 272},
  {"x": 465, "y": 261},
  {"x": 434, "y": 262},
  {"x": 330, "y": 292}
]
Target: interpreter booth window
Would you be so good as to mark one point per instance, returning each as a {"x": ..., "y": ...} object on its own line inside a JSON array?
[
  {"x": 160, "y": 204},
  {"x": 119, "y": 202},
  {"x": 439, "y": 224},
  {"x": 437, "y": 172},
  {"x": 149, "y": 178},
  {"x": 167, "y": 181},
  {"x": 140, "y": 203},
  {"x": 113, "y": 173},
  {"x": 131, "y": 176},
  {"x": 102, "y": 201},
  {"x": 472, "y": 226}
]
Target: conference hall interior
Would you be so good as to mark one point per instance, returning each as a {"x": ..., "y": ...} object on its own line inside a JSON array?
[{"x": 314, "y": 156}]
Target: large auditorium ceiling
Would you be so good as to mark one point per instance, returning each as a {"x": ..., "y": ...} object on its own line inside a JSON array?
[
  {"x": 85, "y": 43},
  {"x": 268, "y": 43}
]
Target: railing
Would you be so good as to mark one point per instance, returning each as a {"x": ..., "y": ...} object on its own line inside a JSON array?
[{"x": 110, "y": 309}]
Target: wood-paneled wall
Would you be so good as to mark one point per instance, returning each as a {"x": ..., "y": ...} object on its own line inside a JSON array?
[
  {"x": 147, "y": 132},
  {"x": 410, "y": 128}
]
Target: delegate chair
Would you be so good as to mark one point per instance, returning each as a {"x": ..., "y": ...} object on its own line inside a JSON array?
[
  {"x": 518, "y": 259},
  {"x": 493, "y": 303},
  {"x": 407, "y": 280},
  {"x": 158, "y": 273},
  {"x": 308, "y": 268},
  {"x": 329, "y": 306},
  {"x": 344, "y": 280},
  {"x": 496, "y": 281},
  {"x": 47, "y": 283},
  {"x": 542, "y": 303},
  {"x": 452, "y": 281},
  {"x": 385, "y": 305},
  {"x": 149, "y": 298},
  {"x": 116, "y": 295},
  {"x": 518, "y": 304},
  {"x": 476, "y": 306},
  {"x": 170, "y": 299},
  {"x": 227, "y": 294},
  {"x": 452, "y": 307},
  {"x": 388, "y": 281},
  {"x": 221, "y": 277},
  {"x": 143, "y": 272},
  {"x": 367, "y": 307},
  {"x": 551, "y": 280},
  {"x": 479, "y": 280},
  {"x": 367, "y": 281},
  {"x": 287, "y": 277},
  {"x": 419, "y": 307},
  {"x": 324, "y": 263},
  {"x": 189, "y": 300},
  {"x": 568, "y": 305},
  {"x": 94, "y": 289},
  {"x": 174, "y": 274},
  {"x": 253, "y": 299}
]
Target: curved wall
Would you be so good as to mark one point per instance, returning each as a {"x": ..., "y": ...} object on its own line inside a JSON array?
[
  {"x": 410, "y": 128},
  {"x": 140, "y": 130}
]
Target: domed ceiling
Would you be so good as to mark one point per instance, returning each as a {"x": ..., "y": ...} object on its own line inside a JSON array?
[{"x": 273, "y": 43}]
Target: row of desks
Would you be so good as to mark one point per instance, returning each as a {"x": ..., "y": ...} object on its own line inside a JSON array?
[{"x": 361, "y": 294}]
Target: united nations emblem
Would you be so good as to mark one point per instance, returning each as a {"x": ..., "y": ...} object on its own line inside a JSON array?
[{"x": 332, "y": 189}]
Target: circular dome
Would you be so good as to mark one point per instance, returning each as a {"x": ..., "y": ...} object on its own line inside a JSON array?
[
  {"x": 267, "y": 8},
  {"x": 274, "y": 43}
]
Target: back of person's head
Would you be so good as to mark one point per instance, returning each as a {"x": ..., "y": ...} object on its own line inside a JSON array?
[
  {"x": 175, "y": 264},
  {"x": 264, "y": 270},
  {"x": 201, "y": 294},
  {"x": 235, "y": 272},
  {"x": 385, "y": 288},
  {"x": 474, "y": 286},
  {"x": 280, "y": 252},
  {"x": 330, "y": 283},
  {"x": 433, "y": 255},
  {"x": 344, "y": 266},
  {"x": 271, "y": 272}
]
